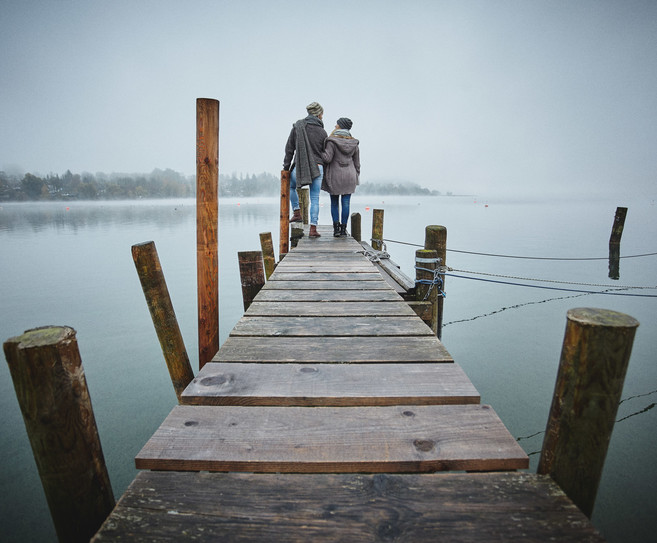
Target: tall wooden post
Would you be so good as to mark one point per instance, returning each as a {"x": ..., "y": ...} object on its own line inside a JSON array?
[
  {"x": 435, "y": 238},
  {"x": 377, "y": 229},
  {"x": 159, "y": 304},
  {"x": 284, "y": 238},
  {"x": 52, "y": 392},
  {"x": 207, "y": 227},
  {"x": 355, "y": 226},
  {"x": 252, "y": 275},
  {"x": 304, "y": 203},
  {"x": 594, "y": 358},
  {"x": 268, "y": 257},
  {"x": 619, "y": 223}
]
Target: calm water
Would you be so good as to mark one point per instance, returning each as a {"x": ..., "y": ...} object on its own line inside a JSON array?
[{"x": 70, "y": 264}]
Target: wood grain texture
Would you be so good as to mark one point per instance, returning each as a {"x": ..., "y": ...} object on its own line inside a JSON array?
[
  {"x": 342, "y": 295},
  {"x": 324, "y": 326},
  {"x": 399, "y": 439},
  {"x": 337, "y": 275},
  {"x": 333, "y": 349},
  {"x": 336, "y": 309},
  {"x": 426, "y": 508},
  {"x": 330, "y": 385},
  {"x": 312, "y": 284}
]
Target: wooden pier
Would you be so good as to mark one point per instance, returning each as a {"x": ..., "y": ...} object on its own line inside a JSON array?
[{"x": 333, "y": 413}]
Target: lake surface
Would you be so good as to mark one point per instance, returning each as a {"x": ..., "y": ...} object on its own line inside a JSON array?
[{"x": 69, "y": 263}]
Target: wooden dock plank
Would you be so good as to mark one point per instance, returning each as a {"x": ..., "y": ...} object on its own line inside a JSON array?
[
  {"x": 343, "y": 295},
  {"x": 312, "y": 284},
  {"x": 337, "y": 275},
  {"x": 297, "y": 508},
  {"x": 338, "y": 309},
  {"x": 333, "y": 349},
  {"x": 331, "y": 326},
  {"x": 330, "y": 385},
  {"x": 398, "y": 439}
]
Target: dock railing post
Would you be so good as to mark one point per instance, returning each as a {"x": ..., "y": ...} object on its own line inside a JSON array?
[
  {"x": 284, "y": 239},
  {"x": 355, "y": 227},
  {"x": 425, "y": 290},
  {"x": 594, "y": 359},
  {"x": 159, "y": 304},
  {"x": 207, "y": 227},
  {"x": 435, "y": 238},
  {"x": 252, "y": 275},
  {"x": 52, "y": 392},
  {"x": 268, "y": 257},
  {"x": 377, "y": 229}
]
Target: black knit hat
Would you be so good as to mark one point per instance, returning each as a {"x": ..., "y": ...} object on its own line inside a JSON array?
[{"x": 345, "y": 123}]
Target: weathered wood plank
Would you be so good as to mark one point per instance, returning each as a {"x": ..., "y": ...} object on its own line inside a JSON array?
[
  {"x": 331, "y": 326},
  {"x": 325, "y": 267},
  {"x": 336, "y": 309},
  {"x": 330, "y": 385},
  {"x": 333, "y": 349},
  {"x": 445, "y": 507},
  {"x": 398, "y": 439},
  {"x": 374, "y": 284},
  {"x": 338, "y": 275},
  {"x": 275, "y": 295}
]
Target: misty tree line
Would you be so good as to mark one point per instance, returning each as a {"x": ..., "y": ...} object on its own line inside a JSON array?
[{"x": 158, "y": 184}]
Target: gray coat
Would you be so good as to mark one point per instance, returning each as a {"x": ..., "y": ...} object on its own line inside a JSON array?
[{"x": 342, "y": 165}]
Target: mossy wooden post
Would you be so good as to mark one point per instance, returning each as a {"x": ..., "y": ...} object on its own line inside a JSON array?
[
  {"x": 252, "y": 275},
  {"x": 304, "y": 203},
  {"x": 207, "y": 227},
  {"x": 268, "y": 256},
  {"x": 594, "y": 358},
  {"x": 377, "y": 229},
  {"x": 159, "y": 304},
  {"x": 284, "y": 238},
  {"x": 355, "y": 226},
  {"x": 426, "y": 260},
  {"x": 296, "y": 233},
  {"x": 435, "y": 238},
  {"x": 619, "y": 224},
  {"x": 52, "y": 392}
]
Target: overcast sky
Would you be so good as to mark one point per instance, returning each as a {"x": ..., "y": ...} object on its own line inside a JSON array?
[{"x": 483, "y": 97}]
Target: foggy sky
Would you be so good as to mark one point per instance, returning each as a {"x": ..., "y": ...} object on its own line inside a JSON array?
[{"x": 477, "y": 97}]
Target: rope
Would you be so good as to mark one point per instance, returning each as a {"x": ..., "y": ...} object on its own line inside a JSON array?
[
  {"x": 514, "y": 256},
  {"x": 619, "y": 287},
  {"x": 436, "y": 280},
  {"x": 557, "y": 288},
  {"x": 376, "y": 256}
]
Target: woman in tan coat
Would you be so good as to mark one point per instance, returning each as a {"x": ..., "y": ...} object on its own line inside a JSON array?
[{"x": 342, "y": 162}]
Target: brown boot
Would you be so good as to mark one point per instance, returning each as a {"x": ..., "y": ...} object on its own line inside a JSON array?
[
  {"x": 313, "y": 232},
  {"x": 296, "y": 216}
]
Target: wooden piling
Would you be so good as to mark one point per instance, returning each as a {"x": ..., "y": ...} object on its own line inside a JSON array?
[
  {"x": 594, "y": 358},
  {"x": 207, "y": 227},
  {"x": 435, "y": 238},
  {"x": 268, "y": 257},
  {"x": 159, "y": 304},
  {"x": 304, "y": 203},
  {"x": 377, "y": 229},
  {"x": 619, "y": 223},
  {"x": 427, "y": 260},
  {"x": 355, "y": 226},
  {"x": 252, "y": 275},
  {"x": 284, "y": 241},
  {"x": 52, "y": 392}
]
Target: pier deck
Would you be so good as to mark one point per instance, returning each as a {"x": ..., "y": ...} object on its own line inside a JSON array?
[{"x": 332, "y": 413}]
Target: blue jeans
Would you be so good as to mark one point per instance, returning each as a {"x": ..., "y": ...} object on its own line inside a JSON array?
[
  {"x": 315, "y": 188},
  {"x": 335, "y": 207}
]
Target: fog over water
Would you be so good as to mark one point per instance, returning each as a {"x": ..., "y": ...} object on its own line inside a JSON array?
[{"x": 476, "y": 97}]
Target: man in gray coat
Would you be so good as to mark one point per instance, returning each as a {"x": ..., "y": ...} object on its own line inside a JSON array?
[{"x": 303, "y": 152}]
